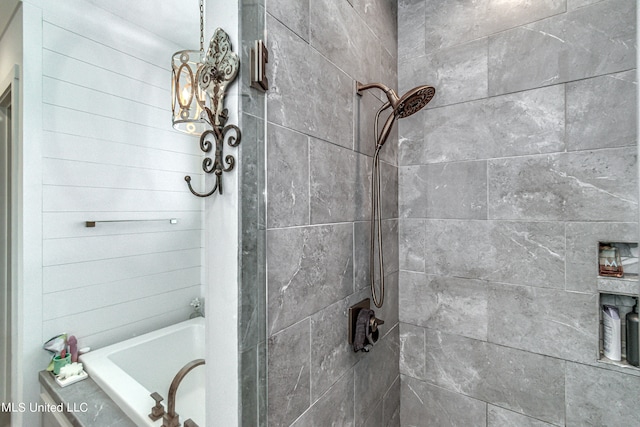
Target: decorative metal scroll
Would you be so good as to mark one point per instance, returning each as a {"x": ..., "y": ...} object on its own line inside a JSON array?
[
  {"x": 219, "y": 69},
  {"x": 216, "y": 165}
]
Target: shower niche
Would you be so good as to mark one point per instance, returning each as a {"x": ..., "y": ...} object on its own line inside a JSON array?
[{"x": 618, "y": 292}]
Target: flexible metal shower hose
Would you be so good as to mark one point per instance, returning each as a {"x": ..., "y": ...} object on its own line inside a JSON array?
[{"x": 376, "y": 219}]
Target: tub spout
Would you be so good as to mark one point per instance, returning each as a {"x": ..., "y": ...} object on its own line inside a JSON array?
[{"x": 170, "y": 418}]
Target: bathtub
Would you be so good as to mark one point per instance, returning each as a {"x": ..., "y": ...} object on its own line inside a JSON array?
[{"x": 129, "y": 371}]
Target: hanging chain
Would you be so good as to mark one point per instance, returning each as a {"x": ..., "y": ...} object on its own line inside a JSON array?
[{"x": 201, "y": 25}]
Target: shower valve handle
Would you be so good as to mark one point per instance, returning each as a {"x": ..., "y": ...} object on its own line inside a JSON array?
[{"x": 374, "y": 323}]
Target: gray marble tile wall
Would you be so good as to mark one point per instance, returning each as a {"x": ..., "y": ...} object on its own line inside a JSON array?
[
  {"x": 523, "y": 162},
  {"x": 318, "y": 161},
  {"x": 252, "y": 284}
]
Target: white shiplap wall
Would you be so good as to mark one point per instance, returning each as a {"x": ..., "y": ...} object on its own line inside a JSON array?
[{"x": 109, "y": 153}]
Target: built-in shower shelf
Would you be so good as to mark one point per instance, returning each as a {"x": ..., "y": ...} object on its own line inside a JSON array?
[
  {"x": 624, "y": 302},
  {"x": 621, "y": 364},
  {"x": 627, "y": 285},
  {"x": 618, "y": 288},
  {"x": 94, "y": 223}
]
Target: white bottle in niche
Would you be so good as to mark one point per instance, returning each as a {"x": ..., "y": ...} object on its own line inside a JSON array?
[{"x": 612, "y": 337}]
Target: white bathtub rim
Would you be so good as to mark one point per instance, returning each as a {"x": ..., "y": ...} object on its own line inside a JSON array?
[{"x": 137, "y": 396}]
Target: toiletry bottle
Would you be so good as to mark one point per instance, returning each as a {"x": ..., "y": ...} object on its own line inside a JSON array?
[
  {"x": 73, "y": 348},
  {"x": 612, "y": 336},
  {"x": 632, "y": 336}
]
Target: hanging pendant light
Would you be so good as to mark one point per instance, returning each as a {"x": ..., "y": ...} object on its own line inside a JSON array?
[
  {"x": 198, "y": 87},
  {"x": 187, "y": 99}
]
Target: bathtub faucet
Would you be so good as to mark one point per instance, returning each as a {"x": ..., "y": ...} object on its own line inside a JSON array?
[{"x": 170, "y": 418}]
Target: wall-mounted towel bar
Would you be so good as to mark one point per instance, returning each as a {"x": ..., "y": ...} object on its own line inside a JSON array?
[{"x": 93, "y": 223}]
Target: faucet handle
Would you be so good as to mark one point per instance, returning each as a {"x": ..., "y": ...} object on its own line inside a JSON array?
[
  {"x": 157, "y": 411},
  {"x": 190, "y": 423}
]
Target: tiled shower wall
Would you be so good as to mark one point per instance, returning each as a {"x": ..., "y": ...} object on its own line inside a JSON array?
[
  {"x": 525, "y": 159},
  {"x": 319, "y": 148}
]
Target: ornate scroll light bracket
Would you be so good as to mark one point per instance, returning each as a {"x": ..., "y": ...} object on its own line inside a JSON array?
[{"x": 218, "y": 70}]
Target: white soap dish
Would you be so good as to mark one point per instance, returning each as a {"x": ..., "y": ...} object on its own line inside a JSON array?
[{"x": 71, "y": 380}]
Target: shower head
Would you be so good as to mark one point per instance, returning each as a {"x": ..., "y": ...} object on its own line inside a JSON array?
[
  {"x": 410, "y": 103},
  {"x": 413, "y": 101}
]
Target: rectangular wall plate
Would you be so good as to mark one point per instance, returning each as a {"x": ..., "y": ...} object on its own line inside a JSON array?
[{"x": 354, "y": 310}]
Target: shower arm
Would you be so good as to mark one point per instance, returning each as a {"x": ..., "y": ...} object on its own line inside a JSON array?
[
  {"x": 381, "y": 138},
  {"x": 391, "y": 94}
]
